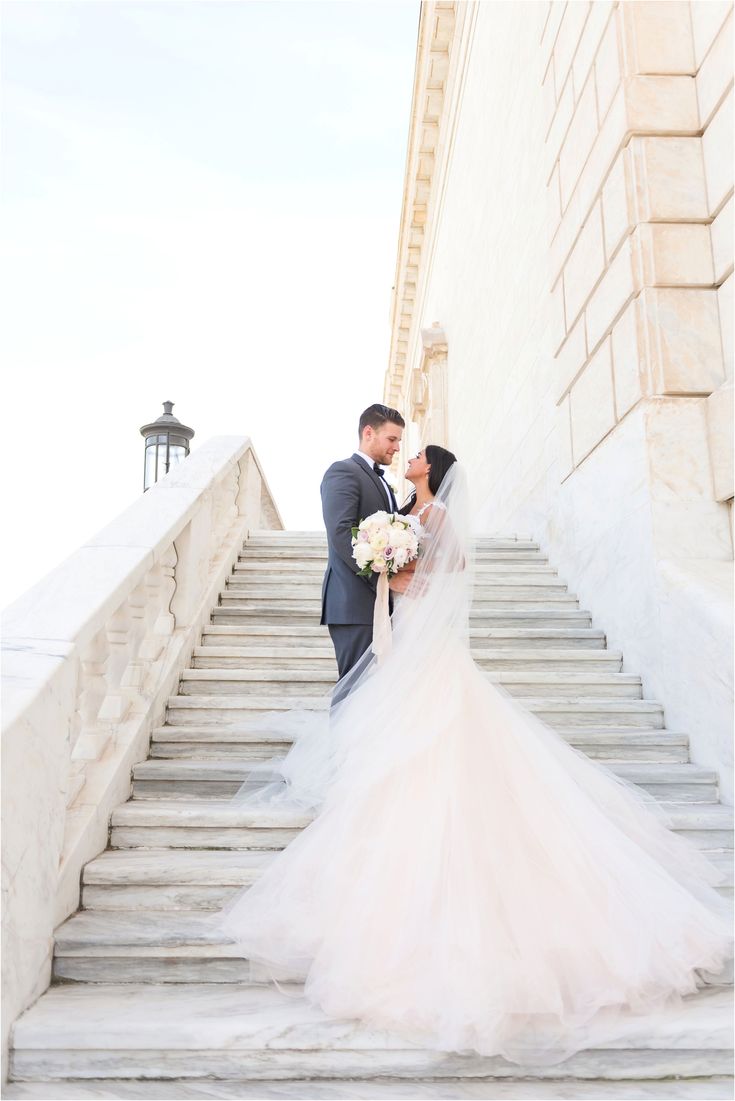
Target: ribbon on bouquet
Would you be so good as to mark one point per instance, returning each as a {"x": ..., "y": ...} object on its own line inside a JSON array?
[{"x": 382, "y": 638}]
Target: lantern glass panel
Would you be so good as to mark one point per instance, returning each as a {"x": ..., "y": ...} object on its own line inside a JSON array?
[
  {"x": 176, "y": 454},
  {"x": 150, "y": 466}
]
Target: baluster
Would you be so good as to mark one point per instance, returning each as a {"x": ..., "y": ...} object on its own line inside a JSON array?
[{"x": 89, "y": 735}]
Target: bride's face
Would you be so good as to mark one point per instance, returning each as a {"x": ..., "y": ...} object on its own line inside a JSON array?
[{"x": 418, "y": 467}]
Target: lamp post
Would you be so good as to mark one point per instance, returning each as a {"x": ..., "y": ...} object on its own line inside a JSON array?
[{"x": 166, "y": 443}]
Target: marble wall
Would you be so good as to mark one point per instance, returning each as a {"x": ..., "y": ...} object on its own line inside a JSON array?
[
  {"x": 90, "y": 655},
  {"x": 575, "y": 249}
]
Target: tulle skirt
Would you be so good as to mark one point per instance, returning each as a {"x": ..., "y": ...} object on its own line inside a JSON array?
[{"x": 474, "y": 883}]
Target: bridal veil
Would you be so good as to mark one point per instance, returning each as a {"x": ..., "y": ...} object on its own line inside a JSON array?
[{"x": 468, "y": 879}]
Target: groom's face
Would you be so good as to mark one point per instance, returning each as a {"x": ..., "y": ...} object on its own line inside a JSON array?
[{"x": 381, "y": 444}]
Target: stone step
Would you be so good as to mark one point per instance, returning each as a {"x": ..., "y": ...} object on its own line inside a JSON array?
[
  {"x": 193, "y": 867},
  {"x": 231, "y": 1030},
  {"x": 183, "y": 710},
  {"x": 271, "y": 553},
  {"x": 301, "y": 635},
  {"x": 524, "y": 596},
  {"x": 317, "y": 682},
  {"x": 512, "y": 616},
  {"x": 173, "y": 945},
  {"x": 144, "y": 823},
  {"x": 293, "y": 557},
  {"x": 319, "y": 538},
  {"x": 280, "y": 537},
  {"x": 417, "y": 1088},
  {"x": 289, "y": 658},
  {"x": 310, "y": 586},
  {"x": 192, "y": 879},
  {"x": 166, "y": 879},
  {"x": 250, "y": 567},
  {"x": 256, "y": 634},
  {"x": 246, "y": 569},
  {"x": 219, "y": 740},
  {"x": 289, "y": 591},
  {"x": 219, "y": 824},
  {"x": 221, "y": 779},
  {"x": 277, "y": 535}
]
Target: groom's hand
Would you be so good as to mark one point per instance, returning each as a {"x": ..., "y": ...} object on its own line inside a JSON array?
[
  {"x": 399, "y": 582},
  {"x": 403, "y": 578}
]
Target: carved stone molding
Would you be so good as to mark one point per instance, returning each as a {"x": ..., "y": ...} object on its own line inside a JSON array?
[
  {"x": 436, "y": 35},
  {"x": 431, "y": 415}
]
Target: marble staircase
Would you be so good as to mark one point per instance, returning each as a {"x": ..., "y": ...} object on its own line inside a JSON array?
[{"x": 144, "y": 987}]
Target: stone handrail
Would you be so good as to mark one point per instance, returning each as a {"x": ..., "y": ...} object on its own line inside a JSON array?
[{"x": 90, "y": 656}]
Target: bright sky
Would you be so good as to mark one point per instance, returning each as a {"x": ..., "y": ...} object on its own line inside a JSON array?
[{"x": 200, "y": 204}]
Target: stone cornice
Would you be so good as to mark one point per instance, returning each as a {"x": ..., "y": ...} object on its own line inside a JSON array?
[{"x": 436, "y": 35}]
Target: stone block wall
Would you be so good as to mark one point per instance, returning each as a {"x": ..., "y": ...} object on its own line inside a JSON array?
[
  {"x": 640, "y": 181},
  {"x": 571, "y": 241}
]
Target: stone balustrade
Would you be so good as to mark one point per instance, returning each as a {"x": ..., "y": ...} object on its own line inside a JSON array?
[{"x": 91, "y": 654}]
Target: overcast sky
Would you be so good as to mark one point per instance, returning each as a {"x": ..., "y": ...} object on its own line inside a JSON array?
[{"x": 200, "y": 205}]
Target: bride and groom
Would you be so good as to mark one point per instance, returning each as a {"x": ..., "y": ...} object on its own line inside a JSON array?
[
  {"x": 468, "y": 880},
  {"x": 351, "y": 490}
]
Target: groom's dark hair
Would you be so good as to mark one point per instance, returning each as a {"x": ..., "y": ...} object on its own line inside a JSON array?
[{"x": 377, "y": 415}]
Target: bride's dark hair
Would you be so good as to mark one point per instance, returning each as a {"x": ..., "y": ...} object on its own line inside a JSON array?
[{"x": 440, "y": 460}]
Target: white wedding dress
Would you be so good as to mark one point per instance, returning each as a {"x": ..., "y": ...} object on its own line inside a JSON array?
[{"x": 469, "y": 880}]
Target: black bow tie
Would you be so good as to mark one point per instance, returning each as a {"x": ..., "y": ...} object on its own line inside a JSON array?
[{"x": 378, "y": 470}]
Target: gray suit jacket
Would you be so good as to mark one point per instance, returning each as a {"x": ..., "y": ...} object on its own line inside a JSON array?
[{"x": 350, "y": 491}]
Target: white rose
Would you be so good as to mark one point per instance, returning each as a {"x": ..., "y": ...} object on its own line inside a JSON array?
[{"x": 363, "y": 554}]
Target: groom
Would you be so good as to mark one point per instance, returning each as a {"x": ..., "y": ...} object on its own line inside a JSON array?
[{"x": 351, "y": 490}]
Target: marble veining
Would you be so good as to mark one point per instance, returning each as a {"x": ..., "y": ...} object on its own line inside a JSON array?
[
  {"x": 131, "y": 1016},
  {"x": 386, "y": 1089}
]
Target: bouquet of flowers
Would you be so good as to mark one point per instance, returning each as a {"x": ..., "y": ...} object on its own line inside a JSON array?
[{"x": 383, "y": 543}]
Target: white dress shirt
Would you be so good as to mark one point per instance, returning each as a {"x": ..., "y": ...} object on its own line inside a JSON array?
[{"x": 370, "y": 463}]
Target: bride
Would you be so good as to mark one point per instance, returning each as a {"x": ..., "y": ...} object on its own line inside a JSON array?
[{"x": 469, "y": 880}]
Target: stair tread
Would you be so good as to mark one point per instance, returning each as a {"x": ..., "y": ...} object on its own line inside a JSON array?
[
  {"x": 227, "y": 767},
  {"x": 138, "y": 928},
  {"x": 551, "y": 612},
  {"x": 302, "y": 588},
  {"x": 560, "y": 653},
  {"x": 659, "y": 733},
  {"x": 327, "y": 676},
  {"x": 263, "y": 597},
  {"x": 120, "y": 929},
  {"x": 222, "y": 813},
  {"x": 319, "y": 631},
  {"x": 275, "y": 703},
  {"x": 180, "y": 866},
  {"x": 132, "y": 1016},
  {"x": 224, "y": 732},
  {"x": 207, "y": 866},
  {"x": 713, "y": 1088}
]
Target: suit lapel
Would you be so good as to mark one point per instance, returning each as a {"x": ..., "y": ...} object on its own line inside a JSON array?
[{"x": 377, "y": 481}]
